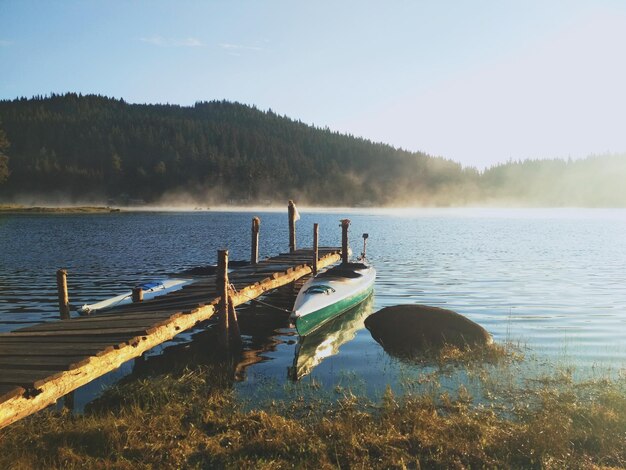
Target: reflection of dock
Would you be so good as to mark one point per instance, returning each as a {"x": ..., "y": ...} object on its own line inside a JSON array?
[{"x": 42, "y": 363}]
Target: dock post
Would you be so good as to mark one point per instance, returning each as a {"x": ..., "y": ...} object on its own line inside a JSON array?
[
  {"x": 292, "y": 226},
  {"x": 222, "y": 290},
  {"x": 235, "y": 334},
  {"x": 137, "y": 294},
  {"x": 254, "y": 248},
  {"x": 64, "y": 300},
  {"x": 345, "y": 223},
  {"x": 316, "y": 234}
]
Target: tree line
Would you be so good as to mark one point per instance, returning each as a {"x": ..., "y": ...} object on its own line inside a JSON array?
[{"x": 100, "y": 148}]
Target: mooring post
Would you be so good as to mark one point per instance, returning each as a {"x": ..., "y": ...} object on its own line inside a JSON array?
[
  {"x": 64, "y": 299},
  {"x": 316, "y": 234},
  {"x": 254, "y": 247},
  {"x": 137, "y": 294},
  {"x": 235, "y": 334},
  {"x": 292, "y": 226},
  {"x": 345, "y": 223},
  {"x": 222, "y": 290}
]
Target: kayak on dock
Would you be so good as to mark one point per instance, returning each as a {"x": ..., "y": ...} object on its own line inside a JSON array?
[{"x": 150, "y": 291}]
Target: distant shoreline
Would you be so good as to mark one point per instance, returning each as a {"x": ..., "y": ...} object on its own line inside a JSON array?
[
  {"x": 19, "y": 209},
  {"x": 490, "y": 211}
]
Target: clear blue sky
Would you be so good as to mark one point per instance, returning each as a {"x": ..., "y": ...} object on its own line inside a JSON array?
[{"x": 475, "y": 81}]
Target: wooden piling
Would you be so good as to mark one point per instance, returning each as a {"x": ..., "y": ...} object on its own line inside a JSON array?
[
  {"x": 222, "y": 290},
  {"x": 233, "y": 323},
  {"x": 254, "y": 247},
  {"x": 291, "y": 208},
  {"x": 316, "y": 234},
  {"x": 64, "y": 300},
  {"x": 137, "y": 294},
  {"x": 345, "y": 223}
]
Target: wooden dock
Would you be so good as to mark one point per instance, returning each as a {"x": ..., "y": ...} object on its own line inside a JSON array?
[{"x": 42, "y": 363}]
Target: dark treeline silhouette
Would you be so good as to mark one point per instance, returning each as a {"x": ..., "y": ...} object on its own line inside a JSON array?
[
  {"x": 94, "y": 147},
  {"x": 4, "y": 159}
]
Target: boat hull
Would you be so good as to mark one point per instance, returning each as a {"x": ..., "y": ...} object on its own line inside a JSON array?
[
  {"x": 330, "y": 294},
  {"x": 310, "y": 322}
]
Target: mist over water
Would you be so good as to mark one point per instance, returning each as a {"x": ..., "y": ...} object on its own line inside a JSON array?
[
  {"x": 592, "y": 182},
  {"x": 551, "y": 280}
]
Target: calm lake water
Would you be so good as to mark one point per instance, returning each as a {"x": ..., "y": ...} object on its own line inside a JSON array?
[{"x": 552, "y": 280}]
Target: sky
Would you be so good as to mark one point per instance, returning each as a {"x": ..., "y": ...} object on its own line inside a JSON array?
[{"x": 479, "y": 82}]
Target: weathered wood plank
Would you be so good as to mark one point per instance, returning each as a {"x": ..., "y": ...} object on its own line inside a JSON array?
[
  {"x": 124, "y": 316},
  {"x": 42, "y": 362},
  {"x": 253, "y": 278},
  {"x": 31, "y": 378},
  {"x": 175, "y": 297},
  {"x": 10, "y": 391},
  {"x": 69, "y": 325},
  {"x": 178, "y": 307},
  {"x": 174, "y": 304},
  {"x": 31, "y": 349},
  {"x": 87, "y": 332},
  {"x": 45, "y": 341}
]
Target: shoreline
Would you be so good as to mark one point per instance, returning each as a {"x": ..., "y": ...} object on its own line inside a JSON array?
[
  {"x": 492, "y": 211},
  {"x": 19, "y": 209}
]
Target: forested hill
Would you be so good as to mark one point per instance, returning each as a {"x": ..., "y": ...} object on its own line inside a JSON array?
[
  {"x": 93, "y": 146},
  {"x": 98, "y": 149}
]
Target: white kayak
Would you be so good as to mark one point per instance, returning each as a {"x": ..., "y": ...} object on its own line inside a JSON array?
[
  {"x": 330, "y": 294},
  {"x": 150, "y": 291}
]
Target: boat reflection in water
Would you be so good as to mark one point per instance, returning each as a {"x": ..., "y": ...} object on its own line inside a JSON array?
[{"x": 325, "y": 341}]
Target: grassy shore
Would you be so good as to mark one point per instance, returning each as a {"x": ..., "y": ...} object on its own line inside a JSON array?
[
  {"x": 192, "y": 418},
  {"x": 20, "y": 209}
]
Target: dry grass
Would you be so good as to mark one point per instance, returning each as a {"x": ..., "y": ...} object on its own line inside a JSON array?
[{"x": 192, "y": 419}]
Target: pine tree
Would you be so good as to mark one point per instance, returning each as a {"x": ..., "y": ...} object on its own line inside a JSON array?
[{"x": 4, "y": 159}]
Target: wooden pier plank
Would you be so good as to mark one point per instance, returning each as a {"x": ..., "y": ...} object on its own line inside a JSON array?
[
  {"x": 27, "y": 378},
  {"x": 10, "y": 391},
  {"x": 86, "y": 331},
  {"x": 103, "y": 317},
  {"x": 95, "y": 325},
  {"x": 47, "y": 341},
  {"x": 42, "y": 362},
  {"x": 31, "y": 349},
  {"x": 183, "y": 305}
]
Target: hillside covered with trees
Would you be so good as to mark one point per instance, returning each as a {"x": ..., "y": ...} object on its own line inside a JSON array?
[{"x": 101, "y": 149}]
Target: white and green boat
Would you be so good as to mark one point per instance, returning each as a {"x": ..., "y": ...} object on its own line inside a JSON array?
[{"x": 330, "y": 294}]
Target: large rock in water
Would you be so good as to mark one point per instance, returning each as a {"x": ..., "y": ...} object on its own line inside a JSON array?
[{"x": 411, "y": 329}]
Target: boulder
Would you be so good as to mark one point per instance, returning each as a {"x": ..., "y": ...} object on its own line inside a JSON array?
[{"x": 411, "y": 329}]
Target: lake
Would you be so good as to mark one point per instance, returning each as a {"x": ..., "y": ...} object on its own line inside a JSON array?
[{"x": 551, "y": 280}]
